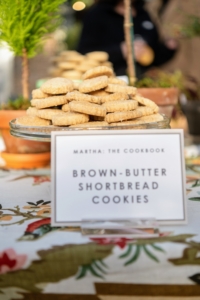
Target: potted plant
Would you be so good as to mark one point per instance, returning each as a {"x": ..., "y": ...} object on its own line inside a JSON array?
[
  {"x": 190, "y": 105},
  {"x": 24, "y": 27},
  {"x": 163, "y": 88},
  {"x": 190, "y": 98}
]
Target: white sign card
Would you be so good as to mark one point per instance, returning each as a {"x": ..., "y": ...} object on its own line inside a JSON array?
[{"x": 118, "y": 174}]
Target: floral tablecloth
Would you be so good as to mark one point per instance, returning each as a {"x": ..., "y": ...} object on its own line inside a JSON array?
[{"x": 38, "y": 261}]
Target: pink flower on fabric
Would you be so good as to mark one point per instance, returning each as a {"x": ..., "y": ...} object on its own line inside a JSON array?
[
  {"x": 40, "y": 179},
  {"x": 11, "y": 261},
  {"x": 121, "y": 242}
]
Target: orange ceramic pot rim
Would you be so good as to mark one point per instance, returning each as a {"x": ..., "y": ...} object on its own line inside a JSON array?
[{"x": 26, "y": 161}]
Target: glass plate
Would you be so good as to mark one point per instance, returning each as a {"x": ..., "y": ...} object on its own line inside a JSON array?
[{"x": 43, "y": 133}]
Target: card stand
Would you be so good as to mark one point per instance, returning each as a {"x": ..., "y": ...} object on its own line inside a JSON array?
[{"x": 137, "y": 228}]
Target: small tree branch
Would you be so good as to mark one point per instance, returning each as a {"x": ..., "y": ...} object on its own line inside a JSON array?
[
  {"x": 25, "y": 75},
  {"x": 128, "y": 29}
]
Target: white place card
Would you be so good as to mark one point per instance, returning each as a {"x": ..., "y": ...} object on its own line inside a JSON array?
[{"x": 118, "y": 174}]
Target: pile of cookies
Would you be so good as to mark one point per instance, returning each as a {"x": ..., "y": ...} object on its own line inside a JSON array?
[
  {"x": 101, "y": 99},
  {"x": 72, "y": 64}
]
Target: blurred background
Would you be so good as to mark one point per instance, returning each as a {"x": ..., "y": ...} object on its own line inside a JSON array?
[
  {"x": 175, "y": 20},
  {"x": 169, "y": 15}
]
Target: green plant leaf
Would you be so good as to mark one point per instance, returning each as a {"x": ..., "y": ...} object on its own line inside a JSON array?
[
  {"x": 103, "y": 263},
  {"x": 99, "y": 268},
  {"x": 31, "y": 203},
  {"x": 127, "y": 252},
  {"x": 150, "y": 254},
  {"x": 195, "y": 199},
  {"x": 82, "y": 272},
  {"x": 135, "y": 256},
  {"x": 156, "y": 247},
  {"x": 197, "y": 183},
  {"x": 39, "y": 202},
  {"x": 94, "y": 272}
]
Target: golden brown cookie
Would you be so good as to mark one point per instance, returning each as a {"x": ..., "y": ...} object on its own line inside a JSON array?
[
  {"x": 121, "y": 116},
  {"x": 70, "y": 118},
  {"x": 120, "y": 105},
  {"x": 99, "y": 93},
  {"x": 32, "y": 121},
  {"x": 34, "y": 101},
  {"x": 98, "y": 71},
  {"x": 91, "y": 124},
  {"x": 146, "y": 110},
  {"x": 149, "y": 119},
  {"x": 113, "y": 88},
  {"x": 93, "y": 84},
  {"x": 32, "y": 111},
  {"x": 114, "y": 97},
  {"x": 50, "y": 102},
  {"x": 76, "y": 84},
  {"x": 146, "y": 102},
  {"x": 100, "y": 56},
  {"x": 67, "y": 65},
  {"x": 65, "y": 107},
  {"x": 39, "y": 94},
  {"x": 115, "y": 80},
  {"x": 87, "y": 108},
  {"x": 48, "y": 113},
  {"x": 72, "y": 74},
  {"x": 76, "y": 95},
  {"x": 57, "y": 85}
]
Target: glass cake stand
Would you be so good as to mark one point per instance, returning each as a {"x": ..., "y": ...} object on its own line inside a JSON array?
[{"x": 43, "y": 133}]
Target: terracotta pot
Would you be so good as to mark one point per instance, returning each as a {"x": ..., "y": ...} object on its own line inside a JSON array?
[
  {"x": 20, "y": 146},
  {"x": 165, "y": 98}
]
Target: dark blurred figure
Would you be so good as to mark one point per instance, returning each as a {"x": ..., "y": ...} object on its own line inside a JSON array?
[{"x": 103, "y": 30}]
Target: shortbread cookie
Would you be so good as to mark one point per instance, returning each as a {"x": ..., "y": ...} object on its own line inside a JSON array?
[
  {"x": 65, "y": 107},
  {"x": 113, "y": 88},
  {"x": 100, "y": 56},
  {"x": 146, "y": 102},
  {"x": 94, "y": 84},
  {"x": 70, "y": 118},
  {"x": 99, "y": 93},
  {"x": 32, "y": 111},
  {"x": 32, "y": 121},
  {"x": 121, "y": 116},
  {"x": 38, "y": 94},
  {"x": 87, "y": 108},
  {"x": 120, "y": 105},
  {"x": 54, "y": 72},
  {"x": 132, "y": 123},
  {"x": 146, "y": 110},
  {"x": 76, "y": 84},
  {"x": 107, "y": 64},
  {"x": 67, "y": 65},
  {"x": 50, "y": 102},
  {"x": 77, "y": 58},
  {"x": 48, "y": 113},
  {"x": 72, "y": 74},
  {"x": 34, "y": 101},
  {"x": 76, "y": 95},
  {"x": 114, "y": 97},
  {"x": 57, "y": 85},
  {"x": 98, "y": 71},
  {"x": 149, "y": 119},
  {"x": 91, "y": 124},
  {"x": 115, "y": 80}
]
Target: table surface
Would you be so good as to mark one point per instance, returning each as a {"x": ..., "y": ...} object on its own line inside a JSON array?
[{"x": 38, "y": 261}]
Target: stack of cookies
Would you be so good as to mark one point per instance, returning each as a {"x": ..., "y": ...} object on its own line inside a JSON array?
[
  {"x": 72, "y": 65},
  {"x": 99, "y": 100}
]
